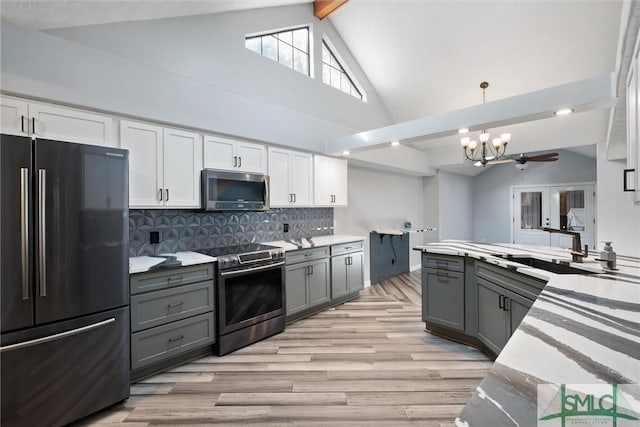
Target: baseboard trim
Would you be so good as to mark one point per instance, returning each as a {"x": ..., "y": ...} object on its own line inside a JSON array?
[
  {"x": 367, "y": 283},
  {"x": 415, "y": 267}
]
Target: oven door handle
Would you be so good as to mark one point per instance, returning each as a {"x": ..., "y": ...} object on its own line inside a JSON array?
[{"x": 249, "y": 270}]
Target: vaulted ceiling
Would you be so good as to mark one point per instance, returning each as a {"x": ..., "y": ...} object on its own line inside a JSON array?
[{"x": 426, "y": 57}]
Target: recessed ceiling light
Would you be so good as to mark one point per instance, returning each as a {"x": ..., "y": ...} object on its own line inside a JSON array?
[
  {"x": 563, "y": 111},
  {"x": 463, "y": 130},
  {"x": 395, "y": 143},
  {"x": 346, "y": 152}
]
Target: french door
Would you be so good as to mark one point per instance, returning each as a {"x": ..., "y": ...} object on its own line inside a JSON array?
[{"x": 564, "y": 207}]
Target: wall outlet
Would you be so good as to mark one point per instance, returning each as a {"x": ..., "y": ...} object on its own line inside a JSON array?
[
  {"x": 285, "y": 227},
  {"x": 154, "y": 237}
]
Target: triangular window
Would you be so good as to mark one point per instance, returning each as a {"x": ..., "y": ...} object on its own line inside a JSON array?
[
  {"x": 334, "y": 73},
  {"x": 288, "y": 47}
]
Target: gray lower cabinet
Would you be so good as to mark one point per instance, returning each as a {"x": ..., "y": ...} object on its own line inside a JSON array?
[
  {"x": 444, "y": 297},
  {"x": 347, "y": 275},
  {"x": 443, "y": 291},
  {"x": 500, "y": 312},
  {"x": 307, "y": 285},
  {"x": 172, "y": 312}
]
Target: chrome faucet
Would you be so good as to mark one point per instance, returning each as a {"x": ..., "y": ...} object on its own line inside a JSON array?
[{"x": 576, "y": 251}]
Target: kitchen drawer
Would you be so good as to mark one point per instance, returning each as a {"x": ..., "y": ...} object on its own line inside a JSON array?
[
  {"x": 153, "y": 281},
  {"x": 521, "y": 284},
  {"x": 443, "y": 262},
  {"x": 159, "y": 343},
  {"x": 307, "y": 255},
  {"x": 157, "y": 308},
  {"x": 346, "y": 248}
]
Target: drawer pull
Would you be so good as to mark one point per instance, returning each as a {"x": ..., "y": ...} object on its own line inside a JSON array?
[
  {"x": 174, "y": 279},
  {"x": 176, "y": 338},
  {"x": 347, "y": 248},
  {"x": 175, "y": 304}
]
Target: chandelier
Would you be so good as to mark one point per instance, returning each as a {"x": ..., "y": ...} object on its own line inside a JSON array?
[{"x": 487, "y": 151}]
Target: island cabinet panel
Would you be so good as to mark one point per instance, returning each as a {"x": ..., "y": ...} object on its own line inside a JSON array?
[
  {"x": 492, "y": 327},
  {"x": 501, "y": 309},
  {"x": 296, "y": 288},
  {"x": 444, "y": 297},
  {"x": 443, "y": 291}
]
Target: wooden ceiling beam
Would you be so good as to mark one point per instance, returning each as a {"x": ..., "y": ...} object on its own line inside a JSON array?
[{"x": 323, "y": 8}]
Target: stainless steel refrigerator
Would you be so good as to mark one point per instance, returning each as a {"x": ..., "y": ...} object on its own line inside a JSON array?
[{"x": 64, "y": 307}]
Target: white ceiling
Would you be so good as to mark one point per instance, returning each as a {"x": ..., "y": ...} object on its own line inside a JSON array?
[
  {"x": 48, "y": 14},
  {"x": 426, "y": 57}
]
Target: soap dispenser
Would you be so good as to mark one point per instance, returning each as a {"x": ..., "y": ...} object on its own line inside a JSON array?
[{"x": 608, "y": 257}]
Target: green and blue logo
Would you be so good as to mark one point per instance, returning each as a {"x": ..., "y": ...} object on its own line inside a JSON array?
[{"x": 588, "y": 404}]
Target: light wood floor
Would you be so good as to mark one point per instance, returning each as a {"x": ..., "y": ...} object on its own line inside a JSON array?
[{"x": 367, "y": 362}]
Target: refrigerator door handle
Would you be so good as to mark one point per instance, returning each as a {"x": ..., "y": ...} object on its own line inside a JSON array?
[
  {"x": 55, "y": 337},
  {"x": 42, "y": 229},
  {"x": 24, "y": 231}
]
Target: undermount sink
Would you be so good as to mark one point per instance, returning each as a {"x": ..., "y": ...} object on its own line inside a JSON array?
[{"x": 550, "y": 266}]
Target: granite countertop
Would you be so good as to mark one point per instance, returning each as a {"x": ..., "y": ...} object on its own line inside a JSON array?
[
  {"x": 580, "y": 330},
  {"x": 140, "y": 264},
  {"x": 313, "y": 242}
]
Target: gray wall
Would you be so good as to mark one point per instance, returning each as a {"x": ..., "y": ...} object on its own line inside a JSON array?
[
  {"x": 455, "y": 206},
  {"x": 379, "y": 199},
  {"x": 193, "y": 72},
  {"x": 492, "y": 190}
]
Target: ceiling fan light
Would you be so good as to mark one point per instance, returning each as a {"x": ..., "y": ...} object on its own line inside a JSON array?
[
  {"x": 497, "y": 142},
  {"x": 465, "y": 141},
  {"x": 484, "y": 137},
  {"x": 473, "y": 144}
]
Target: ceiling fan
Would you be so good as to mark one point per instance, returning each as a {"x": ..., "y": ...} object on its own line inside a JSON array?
[{"x": 521, "y": 160}]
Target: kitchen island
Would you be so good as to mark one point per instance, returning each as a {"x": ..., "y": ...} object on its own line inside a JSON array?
[{"x": 581, "y": 329}]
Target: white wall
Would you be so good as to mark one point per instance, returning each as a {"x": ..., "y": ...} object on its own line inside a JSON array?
[
  {"x": 431, "y": 209},
  {"x": 455, "y": 209},
  {"x": 193, "y": 72},
  {"x": 618, "y": 219},
  {"x": 379, "y": 199},
  {"x": 492, "y": 190}
]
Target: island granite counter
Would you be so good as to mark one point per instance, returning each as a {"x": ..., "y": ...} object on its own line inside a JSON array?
[{"x": 580, "y": 330}]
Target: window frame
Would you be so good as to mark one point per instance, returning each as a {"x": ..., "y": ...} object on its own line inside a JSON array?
[
  {"x": 344, "y": 70},
  {"x": 294, "y": 48}
]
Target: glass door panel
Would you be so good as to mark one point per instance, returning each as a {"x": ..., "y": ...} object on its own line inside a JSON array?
[{"x": 531, "y": 212}]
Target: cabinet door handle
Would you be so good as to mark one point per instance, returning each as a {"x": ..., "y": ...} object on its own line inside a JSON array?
[
  {"x": 160, "y": 192},
  {"x": 22, "y": 123},
  {"x": 239, "y": 161},
  {"x": 501, "y": 302},
  {"x": 625, "y": 180},
  {"x": 506, "y": 303},
  {"x": 167, "y": 194},
  {"x": 295, "y": 198},
  {"x": 235, "y": 161},
  {"x": 311, "y": 270},
  {"x": 33, "y": 125}
]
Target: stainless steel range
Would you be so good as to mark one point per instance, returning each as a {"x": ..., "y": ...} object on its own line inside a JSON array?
[{"x": 250, "y": 294}]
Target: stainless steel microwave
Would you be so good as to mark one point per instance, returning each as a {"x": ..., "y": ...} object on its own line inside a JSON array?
[{"x": 234, "y": 191}]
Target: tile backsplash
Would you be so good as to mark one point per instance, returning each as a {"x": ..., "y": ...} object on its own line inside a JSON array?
[{"x": 183, "y": 230}]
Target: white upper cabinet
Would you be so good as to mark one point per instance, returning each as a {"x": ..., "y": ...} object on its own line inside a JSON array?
[
  {"x": 330, "y": 181},
  {"x": 164, "y": 165},
  {"x": 15, "y": 116},
  {"x": 291, "y": 178},
  {"x": 238, "y": 156},
  {"x": 632, "y": 178},
  {"x": 48, "y": 121},
  {"x": 182, "y": 158}
]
